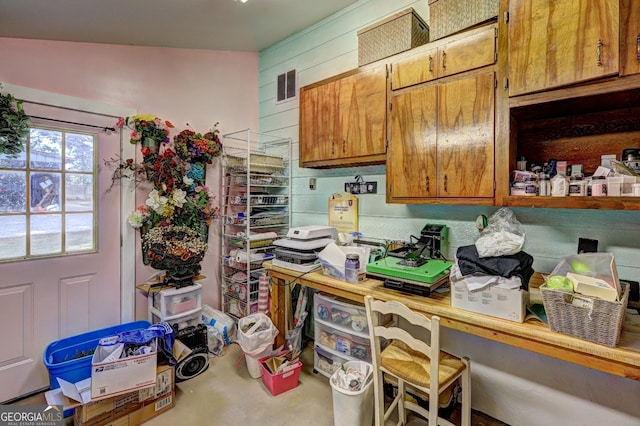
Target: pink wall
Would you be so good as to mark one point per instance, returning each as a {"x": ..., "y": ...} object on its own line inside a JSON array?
[{"x": 199, "y": 87}]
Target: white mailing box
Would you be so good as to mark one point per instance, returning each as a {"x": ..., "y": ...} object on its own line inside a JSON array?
[
  {"x": 509, "y": 304},
  {"x": 111, "y": 378}
]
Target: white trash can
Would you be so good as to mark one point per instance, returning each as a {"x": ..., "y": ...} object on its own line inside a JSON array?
[
  {"x": 253, "y": 363},
  {"x": 353, "y": 408}
]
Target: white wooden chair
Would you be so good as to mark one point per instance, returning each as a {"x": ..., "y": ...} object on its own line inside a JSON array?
[{"x": 407, "y": 360}]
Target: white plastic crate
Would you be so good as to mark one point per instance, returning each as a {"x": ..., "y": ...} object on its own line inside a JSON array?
[
  {"x": 340, "y": 314},
  {"x": 191, "y": 318},
  {"x": 172, "y": 302}
]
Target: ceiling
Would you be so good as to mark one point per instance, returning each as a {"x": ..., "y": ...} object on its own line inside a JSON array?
[{"x": 197, "y": 24}]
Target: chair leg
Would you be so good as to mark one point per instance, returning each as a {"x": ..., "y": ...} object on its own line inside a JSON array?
[
  {"x": 378, "y": 391},
  {"x": 465, "y": 413},
  {"x": 402, "y": 411}
]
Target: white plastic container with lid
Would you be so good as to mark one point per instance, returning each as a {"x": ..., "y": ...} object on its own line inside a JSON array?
[
  {"x": 597, "y": 186},
  {"x": 577, "y": 186}
]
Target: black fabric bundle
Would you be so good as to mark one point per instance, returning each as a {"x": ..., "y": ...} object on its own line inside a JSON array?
[{"x": 518, "y": 264}]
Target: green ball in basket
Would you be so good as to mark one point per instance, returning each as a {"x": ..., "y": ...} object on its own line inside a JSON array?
[
  {"x": 580, "y": 267},
  {"x": 560, "y": 282}
]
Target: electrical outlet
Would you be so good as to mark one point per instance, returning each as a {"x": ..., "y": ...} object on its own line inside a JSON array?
[
  {"x": 361, "y": 187},
  {"x": 312, "y": 183},
  {"x": 586, "y": 245}
]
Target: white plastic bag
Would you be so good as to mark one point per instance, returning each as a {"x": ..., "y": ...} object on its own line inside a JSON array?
[
  {"x": 503, "y": 236},
  {"x": 256, "y": 333},
  {"x": 215, "y": 341},
  {"x": 223, "y": 322}
]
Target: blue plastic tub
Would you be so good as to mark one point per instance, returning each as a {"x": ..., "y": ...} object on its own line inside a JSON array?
[{"x": 62, "y": 356}]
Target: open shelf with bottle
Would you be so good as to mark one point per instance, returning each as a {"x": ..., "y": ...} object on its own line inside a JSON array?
[
  {"x": 577, "y": 125},
  {"x": 256, "y": 200}
]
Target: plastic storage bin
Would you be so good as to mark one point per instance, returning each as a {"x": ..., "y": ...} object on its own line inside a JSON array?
[
  {"x": 183, "y": 320},
  {"x": 172, "y": 302},
  {"x": 62, "y": 357},
  {"x": 340, "y": 313},
  {"x": 280, "y": 382},
  {"x": 352, "y": 345},
  {"x": 326, "y": 363}
]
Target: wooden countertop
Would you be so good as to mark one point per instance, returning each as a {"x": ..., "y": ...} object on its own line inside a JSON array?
[{"x": 532, "y": 335}]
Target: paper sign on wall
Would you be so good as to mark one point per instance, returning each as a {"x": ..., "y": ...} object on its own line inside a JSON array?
[{"x": 343, "y": 212}]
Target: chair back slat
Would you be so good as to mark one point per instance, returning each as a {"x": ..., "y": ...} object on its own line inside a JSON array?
[{"x": 396, "y": 333}]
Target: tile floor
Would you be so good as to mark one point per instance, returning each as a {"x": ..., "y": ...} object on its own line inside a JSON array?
[{"x": 226, "y": 394}]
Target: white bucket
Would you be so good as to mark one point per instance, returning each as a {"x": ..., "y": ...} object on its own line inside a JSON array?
[
  {"x": 353, "y": 408},
  {"x": 253, "y": 363}
]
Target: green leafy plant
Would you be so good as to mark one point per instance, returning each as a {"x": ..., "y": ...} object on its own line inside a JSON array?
[{"x": 14, "y": 125}]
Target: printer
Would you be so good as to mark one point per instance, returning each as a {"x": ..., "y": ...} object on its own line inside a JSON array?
[{"x": 299, "y": 250}]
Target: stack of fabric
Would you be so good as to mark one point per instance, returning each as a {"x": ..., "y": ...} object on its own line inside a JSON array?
[{"x": 507, "y": 271}]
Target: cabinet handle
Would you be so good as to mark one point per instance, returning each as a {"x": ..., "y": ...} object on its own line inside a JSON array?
[
  {"x": 431, "y": 58},
  {"x": 444, "y": 57},
  {"x": 599, "y": 53},
  {"x": 333, "y": 148},
  {"x": 344, "y": 146},
  {"x": 638, "y": 46},
  {"x": 427, "y": 184},
  {"x": 445, "y": 183}
]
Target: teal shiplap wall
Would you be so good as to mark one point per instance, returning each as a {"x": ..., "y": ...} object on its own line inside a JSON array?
[{"x": 329, "y": 48}]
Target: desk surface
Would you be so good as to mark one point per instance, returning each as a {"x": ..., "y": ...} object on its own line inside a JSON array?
[{"x": 532, "y": 335}]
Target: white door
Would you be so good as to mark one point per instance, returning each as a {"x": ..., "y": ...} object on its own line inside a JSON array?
[{"x": 46, "y": 299}]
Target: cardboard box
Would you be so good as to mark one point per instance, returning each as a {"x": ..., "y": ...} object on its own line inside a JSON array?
[
  {"x": 120, "y": 405},
  {"x": 122, "y": 375},
  {"x": 145, "y": 412},
  {"x": 509, "y": 304}
]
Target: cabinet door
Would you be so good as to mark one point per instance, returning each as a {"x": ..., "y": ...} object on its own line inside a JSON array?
[
  {"x": 630, "y": 42},
  {"x": 362, "y": 114},
  {"x": 554, "y": 43},
  {"x": 414, "y": 69},
  {"x": 475, "y": 51},
  {"x": 466, "y": 137},
  {"x": 411, "y": 157},
  {"x": 319, "y": 121}
]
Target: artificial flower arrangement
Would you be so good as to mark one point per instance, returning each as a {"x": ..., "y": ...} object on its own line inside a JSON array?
[
  {"x": 197, "y": 148},
  {"x": 146, "y": 127},
  {"x": 175, "y": 218},
  {"x": 14, "y": 125}
]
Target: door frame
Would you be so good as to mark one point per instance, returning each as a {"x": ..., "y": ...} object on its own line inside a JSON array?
[{"x": 127, "y": 198}]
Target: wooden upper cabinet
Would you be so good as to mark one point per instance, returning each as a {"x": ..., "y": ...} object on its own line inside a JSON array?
[
  {"x": 343, "y": 120},
  {"x": 318, "y": 122},
  {"x": 466, "y": 116},
  {"x": 411, "y": 157},
  {"x": 554, "y": 43},
  {"x": 463, "y": 54},
  {"x": 414, "y": 69},
  {"x": 449, "y": 56},
  {"x": 441, "y": 146},
  {"x": 630, "y": 32}
]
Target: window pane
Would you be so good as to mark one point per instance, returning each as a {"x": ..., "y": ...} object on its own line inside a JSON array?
[
  {"x": 79, "y": 232},
  {"x": 78, "y": 192},
  {"x": 45, "y": 192},
  {"x": 46, "y": 149},
  {"x": 13, "y": 191},
  {"x": 79, "y": 152},
  {"x": 46, "y": 234},
  {"x": 18, "y": 162},
  {"x": 13, "y": 237}
]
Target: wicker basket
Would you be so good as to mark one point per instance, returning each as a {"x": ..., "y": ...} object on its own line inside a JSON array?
[
  {"x": 589, "y": 318},
  {"x": 260, "y": 163},
  {"x": 450, "y": 16},
  {"x": 394, "y": 34}
]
